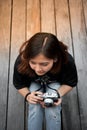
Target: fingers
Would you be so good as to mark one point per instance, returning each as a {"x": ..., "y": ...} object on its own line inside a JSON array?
[
  {"x": 38, "y": 92},
  {"x": 58, "y": 102},
  {"x": 33, "y": 98},
  {"x": 42, "y": 104}
]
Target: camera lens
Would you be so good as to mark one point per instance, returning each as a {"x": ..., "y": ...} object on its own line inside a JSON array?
[{"x": 48, "y": 102}]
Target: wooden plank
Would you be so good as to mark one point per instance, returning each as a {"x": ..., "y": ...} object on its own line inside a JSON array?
[
  {"x": 80, "y": 51},
  {"x": 70, "y": 102},
  {"x": 16, "y": 101},
  {"x": 85, "y": 13},
  {"x": 33, "y": 17},
  {"x": 47, "y": 16},
  {"x": 5, "y": 12},
  {"x": 63, "y": 23}
]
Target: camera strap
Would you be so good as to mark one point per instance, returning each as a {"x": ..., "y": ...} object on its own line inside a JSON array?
[{"x": 44, "y": 82}]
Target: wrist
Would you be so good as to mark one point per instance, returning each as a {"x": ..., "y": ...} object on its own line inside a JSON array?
[
  {"x": 27, "y": 95},
  {"x": 59, "y": 94}
]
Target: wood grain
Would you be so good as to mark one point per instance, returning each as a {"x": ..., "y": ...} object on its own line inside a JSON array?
[
  {"x": 16, "y": 101},
  {"x": 5, "y": 14},
  {"x": 80, "y": 52},
  {"x": 19, "y": 20},
  {"x": 69, "y": 105},
  {"x": 47, "y": 16},
  {"x": 33, "y": 17},
  {"x": 85, "y": 13}
]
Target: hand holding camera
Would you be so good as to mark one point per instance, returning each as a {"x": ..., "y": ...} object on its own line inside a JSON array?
[
  {"x": 49, "y": 98},
  {"x": 32, "y": 97}
]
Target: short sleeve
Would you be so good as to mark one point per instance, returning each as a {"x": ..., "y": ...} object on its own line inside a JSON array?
[
  {"x": 69, "y": 74},
  {"x": 19, "y": 80}
]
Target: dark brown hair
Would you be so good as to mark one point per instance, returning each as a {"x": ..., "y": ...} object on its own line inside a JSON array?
[{"x": 48, "y": 45}]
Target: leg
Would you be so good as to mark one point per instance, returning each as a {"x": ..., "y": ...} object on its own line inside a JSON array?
[
  {"x": 53, "y": 114},
  {"x": 35, "y": 112}
]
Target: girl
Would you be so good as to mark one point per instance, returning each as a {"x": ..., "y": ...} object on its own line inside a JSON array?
[{"x": 44, "y": 66}]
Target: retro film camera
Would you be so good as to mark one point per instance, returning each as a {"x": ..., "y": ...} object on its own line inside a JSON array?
[{"x": 48, "y": 97}]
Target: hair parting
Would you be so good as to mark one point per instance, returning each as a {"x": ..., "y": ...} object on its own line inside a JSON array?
[
  {"x": 48, "y": 45},
  {"x": 45, "y": 41}
]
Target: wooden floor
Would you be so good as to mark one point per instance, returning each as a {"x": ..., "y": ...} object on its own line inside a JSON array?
[{"x": 19, "y": 20}]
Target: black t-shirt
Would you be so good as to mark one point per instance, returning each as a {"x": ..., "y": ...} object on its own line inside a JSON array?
[{"x": 67, "y": 75}]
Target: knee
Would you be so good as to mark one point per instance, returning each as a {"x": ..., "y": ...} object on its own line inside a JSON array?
[
  {"x": 53, "y": 112},
  {"x": 35, "y": 109}
]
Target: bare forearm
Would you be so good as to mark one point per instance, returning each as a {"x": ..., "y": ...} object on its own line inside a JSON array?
[
  {"x": 23, "y": 91},
  {"x": 64, "y": 89}
]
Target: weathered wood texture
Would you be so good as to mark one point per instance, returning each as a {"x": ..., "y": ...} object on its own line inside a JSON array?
[
  {"x": 32, "y": 17},
  {"x": 69, "y": 112},
  {"x": 15, "y": 116},
  {"x": 47, "y": 16},
  {"x": 5, "y": 18},
  {"x": 80, "y": 53},
  {"x": 19, "y": 20}
]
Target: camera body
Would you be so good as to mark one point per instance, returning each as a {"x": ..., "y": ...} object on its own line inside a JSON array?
[{"x": 49, "y": 98}]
